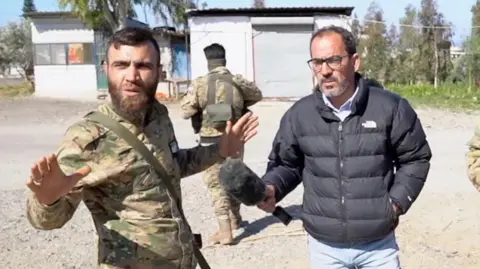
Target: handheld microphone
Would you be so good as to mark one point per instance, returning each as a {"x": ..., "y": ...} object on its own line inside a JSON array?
[{"x": 244, "y": 185}]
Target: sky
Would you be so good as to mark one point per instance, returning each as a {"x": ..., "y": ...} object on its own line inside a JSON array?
[{"x": 393, "y": 10}]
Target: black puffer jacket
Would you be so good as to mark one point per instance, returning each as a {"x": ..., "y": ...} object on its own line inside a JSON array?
[{"x": 348, "y": 168}]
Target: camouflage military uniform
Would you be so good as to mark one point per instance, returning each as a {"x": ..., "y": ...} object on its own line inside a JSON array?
[
  {"x": 473, "y": 158},
  {"x": 137, "y": 222},
  {"x": 195, "y": 101}
]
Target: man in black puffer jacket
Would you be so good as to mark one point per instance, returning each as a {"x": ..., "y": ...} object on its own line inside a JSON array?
[{"x": 361, "y": 153}]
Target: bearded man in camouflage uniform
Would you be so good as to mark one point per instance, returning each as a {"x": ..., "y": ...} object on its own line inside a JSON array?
[
  {"x": 138, "y": 223},
  {"x": 244, "y": 94}
]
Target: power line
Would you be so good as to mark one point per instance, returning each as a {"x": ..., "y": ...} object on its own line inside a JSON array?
[
  {"x": 417, "y": 25},
  {"x": 413, "y": 25}
]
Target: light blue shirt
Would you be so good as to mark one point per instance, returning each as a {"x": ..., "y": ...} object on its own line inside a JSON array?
[{"x": 344, "y": 109}]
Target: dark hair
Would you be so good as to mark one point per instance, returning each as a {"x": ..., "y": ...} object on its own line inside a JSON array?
[
  {"x": 132, "y": 36},
  {"x": 348, "y": 38},
  {"x": 214, "y": 51}
]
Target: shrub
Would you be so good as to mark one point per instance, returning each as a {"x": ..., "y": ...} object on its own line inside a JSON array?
[
  {"x": 455, "y": 96},
  {"x": 12, "y": 90}
]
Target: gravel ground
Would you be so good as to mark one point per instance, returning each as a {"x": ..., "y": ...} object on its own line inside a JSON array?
[{"x": 442, "y": 229}]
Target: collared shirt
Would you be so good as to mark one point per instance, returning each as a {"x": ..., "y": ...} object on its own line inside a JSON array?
[{"x": 344, "y": 109}]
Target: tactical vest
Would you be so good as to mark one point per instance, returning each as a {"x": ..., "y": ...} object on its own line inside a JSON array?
[{"x": 217, "y": 114}]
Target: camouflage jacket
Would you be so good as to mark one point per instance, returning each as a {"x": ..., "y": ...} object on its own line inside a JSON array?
[
  {"x": 195, "y": 99},
  {"x": 473, "y": 158},
  {"x": 137, "y": 222}
]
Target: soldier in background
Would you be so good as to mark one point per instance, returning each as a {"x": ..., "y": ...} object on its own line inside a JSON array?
[
  {"x": 204, "y": 102},
  {"x": 139, "y": 224},
  {"x": 473, "y": 158}
]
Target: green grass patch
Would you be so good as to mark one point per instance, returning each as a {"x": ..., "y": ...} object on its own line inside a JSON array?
[
  {"x": 454, "y": 97},
  {"x": 16, "y": 90}
]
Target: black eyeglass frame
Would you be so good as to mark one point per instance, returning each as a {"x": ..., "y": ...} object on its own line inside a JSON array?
[{"x": 335, "y": 60}]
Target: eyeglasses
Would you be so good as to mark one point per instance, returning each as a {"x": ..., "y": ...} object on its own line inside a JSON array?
[{"x": 333, "y": 62}]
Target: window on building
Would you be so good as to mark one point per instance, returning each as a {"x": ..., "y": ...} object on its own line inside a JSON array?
[
  {"x": 64, "y": 54},
  {"x": 42, "y": 54},
  {"x": 58, "y": 54},
  {"x": 80, "y": 53}
]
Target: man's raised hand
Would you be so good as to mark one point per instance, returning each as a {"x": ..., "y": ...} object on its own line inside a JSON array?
[{"x": 48, "y": 182}]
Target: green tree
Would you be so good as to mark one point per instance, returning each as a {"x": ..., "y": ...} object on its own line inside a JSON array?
[
  {"x": 391, "y": 69},
  {"x": 408, "y": 47},
  {"x": 106, "y": 15},
  {"x": 16, "y": 49},
  {"x": 436, "y": 43},
  {"x": 199, "y": 4},
  {"x": 110, "y": 15},
  {"x": 427, "y": 15},
  {"x": 443, "y": 39},
  {"x": 258, "y": 3},
  {"x": 28, "y": 6},
  {"x": 374, "y": 43},
  {"x": 176, "y": 10},
  {"x": 473, "y": 47},
  {"x": 356, "y": 28}
]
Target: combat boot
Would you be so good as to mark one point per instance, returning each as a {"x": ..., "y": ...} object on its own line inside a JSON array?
[
  {"x": 235, "y": 220},
  {"x": 224, "y": 235}
]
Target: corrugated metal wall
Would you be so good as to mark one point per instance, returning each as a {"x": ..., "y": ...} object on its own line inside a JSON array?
[{"x": 281, "y": 53}]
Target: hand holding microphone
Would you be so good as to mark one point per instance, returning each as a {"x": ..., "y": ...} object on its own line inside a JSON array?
[
  {"x": 244, "y": 185},
  {"x": 270, "y": 202}
]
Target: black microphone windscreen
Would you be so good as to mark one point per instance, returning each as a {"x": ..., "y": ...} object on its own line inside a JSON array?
[{"x": 241, "y": 182}]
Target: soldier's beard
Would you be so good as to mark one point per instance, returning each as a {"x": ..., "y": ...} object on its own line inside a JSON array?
[{"x": 132, "y": 108}]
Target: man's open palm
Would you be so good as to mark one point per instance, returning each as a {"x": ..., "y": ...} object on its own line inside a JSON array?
[
  {"x": 232, "y": 141},
  {"x": 48, "y": 182}
]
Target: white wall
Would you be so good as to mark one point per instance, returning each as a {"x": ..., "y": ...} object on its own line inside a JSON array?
[
  {"x": 66, "y": 81},
  {"x": 234, "y": 33},
  {"x": 342, "y": 21},
  {"x": 63, "y": 81},
  {"x": 166, "y": 58},
  {"x": 60, "y": 31},
  {"x": 165, "y": 54}
]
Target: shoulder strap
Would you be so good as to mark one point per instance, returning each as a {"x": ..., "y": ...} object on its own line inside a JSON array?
[
  {"x": 136, "y": 144},
  {"x": 212, "y": 88}
]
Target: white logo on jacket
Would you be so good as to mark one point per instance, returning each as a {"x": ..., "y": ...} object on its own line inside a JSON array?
[{"x": 369, "y": 124}]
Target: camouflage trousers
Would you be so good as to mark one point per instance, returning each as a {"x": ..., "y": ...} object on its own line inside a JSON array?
[{"x": 222, "y": 202}]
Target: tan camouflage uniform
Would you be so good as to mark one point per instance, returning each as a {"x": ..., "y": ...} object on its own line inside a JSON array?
[
  {"x": 138, "y": 224},
  {"x": 473, "y": 158},
  {"x": 225, "y": 207}
]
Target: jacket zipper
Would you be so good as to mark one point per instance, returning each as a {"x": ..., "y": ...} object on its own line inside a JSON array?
[{"x": 342, "y": 207}]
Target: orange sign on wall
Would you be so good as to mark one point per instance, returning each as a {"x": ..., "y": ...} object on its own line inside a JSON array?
[{"x": 75, "y": 54}]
